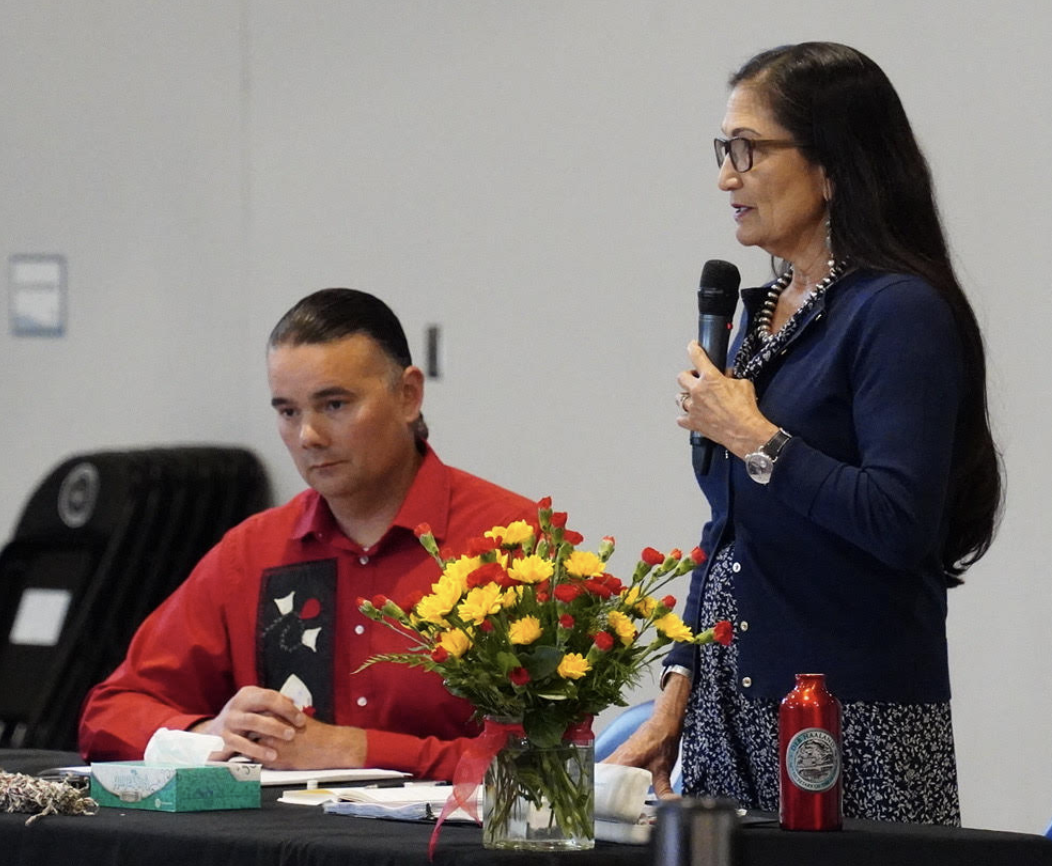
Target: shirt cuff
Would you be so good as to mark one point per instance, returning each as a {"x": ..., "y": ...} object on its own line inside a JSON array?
[{"x": 675, "y": 669}]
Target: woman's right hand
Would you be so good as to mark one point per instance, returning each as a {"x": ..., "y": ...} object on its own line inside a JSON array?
[{"x": 655, "y": 744}]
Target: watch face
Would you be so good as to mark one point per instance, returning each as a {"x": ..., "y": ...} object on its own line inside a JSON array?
[{"x": 759, "y": 467}]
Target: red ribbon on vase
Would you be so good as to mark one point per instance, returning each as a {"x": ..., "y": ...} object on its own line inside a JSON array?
[{"x": 471, "y": 771}]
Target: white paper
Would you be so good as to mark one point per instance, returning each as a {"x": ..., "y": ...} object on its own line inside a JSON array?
[
  {"x": 620, "y": 792},
  {"x": 313, "y": 778}
]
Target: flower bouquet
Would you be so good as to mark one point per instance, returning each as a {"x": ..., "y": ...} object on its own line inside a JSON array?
[{"x": 539, "y": 637}]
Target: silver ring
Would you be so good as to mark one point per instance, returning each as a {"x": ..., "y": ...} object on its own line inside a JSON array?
[{"x": 681, "y": 401}]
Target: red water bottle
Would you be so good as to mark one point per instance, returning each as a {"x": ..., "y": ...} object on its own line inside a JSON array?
[{"x": 809, "y": 750}]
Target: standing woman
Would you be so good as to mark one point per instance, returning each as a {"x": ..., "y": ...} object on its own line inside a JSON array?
[{"x": 861, "y": 478}]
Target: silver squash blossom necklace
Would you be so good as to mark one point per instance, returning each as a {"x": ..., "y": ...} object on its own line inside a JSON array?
[{"x": 766, "y": 314}]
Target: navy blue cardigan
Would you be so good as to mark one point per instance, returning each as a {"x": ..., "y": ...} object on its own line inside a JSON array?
[{"x": 839, "y": 555}]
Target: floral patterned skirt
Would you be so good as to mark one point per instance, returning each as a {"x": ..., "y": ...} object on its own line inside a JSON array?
[{"x": 899, "y": 762}]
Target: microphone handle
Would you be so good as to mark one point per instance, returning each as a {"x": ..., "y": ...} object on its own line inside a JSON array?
[{"x": 713, "y": 336}]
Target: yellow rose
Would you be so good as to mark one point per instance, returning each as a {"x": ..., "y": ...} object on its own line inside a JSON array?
[
  {"x": 532, "y": 569},
  {"x": 512, "y": 596},
  {"x": 622, "y": 625},
  {"x": 525, "y": 630},
  {"x": 458, "y": 570},
  {"x": 444, "y": 597},
  {"x": 672, "y": 626},
  {"x": 633, "y": 599},
  {"x": 518, "y": 533},
  {"x": 584, "y": 563},
  {"x": 573, "y": 666},
  {"x": 480, "y": 602},
  {"x": 455, "y": 642}
]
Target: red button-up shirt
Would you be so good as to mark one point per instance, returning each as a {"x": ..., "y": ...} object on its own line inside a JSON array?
[{"x": 209, "y": 638}]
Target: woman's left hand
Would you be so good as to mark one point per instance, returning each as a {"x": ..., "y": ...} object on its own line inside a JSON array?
[{"x": 720, "y": 408}]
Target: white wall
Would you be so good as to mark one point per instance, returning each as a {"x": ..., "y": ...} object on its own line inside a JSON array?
[{"x": 537, "y": 178}]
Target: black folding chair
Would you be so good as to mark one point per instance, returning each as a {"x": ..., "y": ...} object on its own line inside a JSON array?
[{"x": 104, "y": 538}]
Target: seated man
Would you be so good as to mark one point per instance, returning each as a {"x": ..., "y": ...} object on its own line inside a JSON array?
[{"x": 261, "y": 643}]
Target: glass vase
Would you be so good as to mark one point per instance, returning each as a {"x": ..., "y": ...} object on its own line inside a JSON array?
[{"x": 541, "y": 799}]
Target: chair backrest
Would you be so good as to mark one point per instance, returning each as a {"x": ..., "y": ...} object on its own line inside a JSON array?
[
  {"x": 621, "y": 728},
  {"x": 101, "y": 541}
]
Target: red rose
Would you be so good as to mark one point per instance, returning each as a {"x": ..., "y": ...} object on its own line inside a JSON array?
[
  {"x": 479, "y": 546},
  {"x": 559, "y": 519},
  {"x": 411, "y": 600},
  {"x": 361, "y": 602},
  {"x": 379, "y": 601},
  {"x": 698, "y": 555},
  {"x": 566, "y": 621},
  {"x": 604, "y": 641},
  {"x": 485, "y": 573},
  {"x": 676, "y": 553},
  {"x": 651, "y": 556},
  {"x": 439, "y": 654},
  {"x": 544, "y": 503},
  {"x": 567, "y": 592},
  {"x": 613, "y": 583},
  {"x": 542, "y": 597},
  {"x": 422, "y": 529},
  {"x": 506, "y": 581},
  {"x": 723, "y": 632},
  {"x": 598, "y": 587},
  {"x": 572, "y": 537},
  {"x": 519, "y": 676},
  {"x": 486, "y": 625},
  {"x": 669, "y": 601}
]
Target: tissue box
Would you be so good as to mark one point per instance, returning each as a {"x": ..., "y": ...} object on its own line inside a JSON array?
[{"x": 168, "y": 788}]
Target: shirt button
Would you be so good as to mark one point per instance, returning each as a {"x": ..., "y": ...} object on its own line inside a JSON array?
[
  {"x": 736, "y": 567},
  {"x": 743, "y": 626},
  {"x": 746, "y": 682},
  {"x": 364, "y": 560},
  {"x": 362, "y": 701},
  {"x": 359, "y": 629}
]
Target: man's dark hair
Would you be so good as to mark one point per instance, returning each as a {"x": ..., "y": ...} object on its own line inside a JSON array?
[{"x": 332, "y": 314}]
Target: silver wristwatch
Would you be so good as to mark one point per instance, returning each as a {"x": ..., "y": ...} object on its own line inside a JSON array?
[{"x": 760, "y": 464}]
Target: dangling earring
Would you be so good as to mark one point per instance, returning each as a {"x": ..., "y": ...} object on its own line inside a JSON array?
[{"x": 829, "y": 243}]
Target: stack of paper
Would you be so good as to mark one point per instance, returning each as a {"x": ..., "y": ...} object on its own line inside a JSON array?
[{"x": 412, "y": 802}]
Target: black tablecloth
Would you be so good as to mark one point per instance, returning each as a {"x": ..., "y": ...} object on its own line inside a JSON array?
[{"x": 292, "y": 835}]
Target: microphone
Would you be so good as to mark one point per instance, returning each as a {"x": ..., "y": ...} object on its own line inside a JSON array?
[{"x": 717, "y": 298}]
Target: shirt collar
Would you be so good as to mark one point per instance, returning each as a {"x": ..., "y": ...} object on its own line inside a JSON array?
[{"x": 426, "y": 502}]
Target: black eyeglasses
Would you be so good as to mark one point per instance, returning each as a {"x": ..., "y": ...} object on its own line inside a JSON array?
[{"x": 740, "y": 150}]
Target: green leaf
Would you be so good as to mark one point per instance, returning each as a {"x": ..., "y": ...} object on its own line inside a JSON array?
[
  {"x": 508, "y": 662},
  {"x": 542, "y": 662},
  {"x": 544, "y": 728}
]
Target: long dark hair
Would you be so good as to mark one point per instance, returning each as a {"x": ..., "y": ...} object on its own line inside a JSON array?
[{"x": 845, "y": 112}]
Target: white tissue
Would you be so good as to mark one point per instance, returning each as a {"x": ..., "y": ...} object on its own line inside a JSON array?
[
  {"x": 620, "y": 792},
  {"x": 182, "y": 748}
]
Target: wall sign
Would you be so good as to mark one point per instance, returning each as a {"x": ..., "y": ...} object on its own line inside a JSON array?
[{"x": 37, "y": 286}]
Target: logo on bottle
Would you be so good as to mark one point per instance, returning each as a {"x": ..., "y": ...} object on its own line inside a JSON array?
[{"x": 812, "y": 760}]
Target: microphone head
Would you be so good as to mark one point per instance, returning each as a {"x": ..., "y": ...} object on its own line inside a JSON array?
[{"x": 718, "y": 289}]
